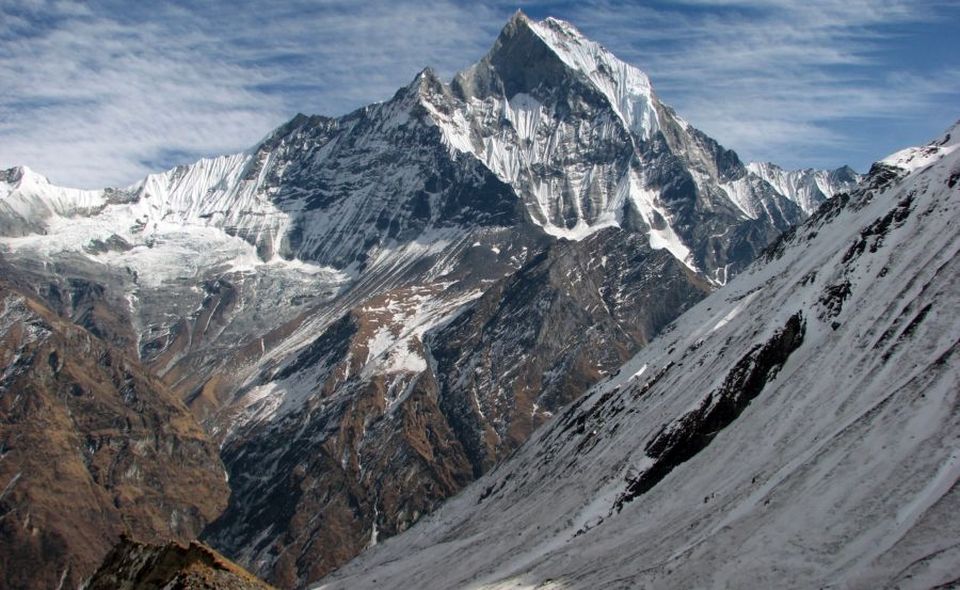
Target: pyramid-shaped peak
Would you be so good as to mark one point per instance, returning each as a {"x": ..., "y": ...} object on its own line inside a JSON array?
[
  {"x": 517, "y": 24},
  {"x": 526, "y": 42},
  {"x": 427, "y": 75},
  {"x": 519, "y": 17},
  {"x": 529, "y": 56},
  {"x": 426, "y": 82},
  {"x": 520, "y": 20}
]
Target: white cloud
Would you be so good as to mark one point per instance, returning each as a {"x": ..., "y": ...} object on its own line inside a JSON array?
[
  {"x": 103, "y": 97},
  {"x": 101, "y": 93},
  {"x": 803, "y": 83},
  {"x": 97, "y": 102}
]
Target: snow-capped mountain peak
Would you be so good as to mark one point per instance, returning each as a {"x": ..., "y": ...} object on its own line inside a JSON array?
[
  {"x": 628, "y": 89},
  {"x": 28, "y": 200},
  {"x": 809, "y": 188},
  {"x": 525, "y": 59},
  {"x": 914, "y": 158},
  {"x": 18, "y": 174}
]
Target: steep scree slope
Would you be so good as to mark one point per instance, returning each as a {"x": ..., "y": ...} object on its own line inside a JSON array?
[{"x": 798, "y": 428}]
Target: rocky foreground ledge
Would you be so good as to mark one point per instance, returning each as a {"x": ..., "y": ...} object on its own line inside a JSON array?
[{"x": 138, "y": 566}]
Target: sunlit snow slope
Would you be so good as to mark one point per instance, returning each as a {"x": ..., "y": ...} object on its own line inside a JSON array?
[{"x": 798, "y": 428}]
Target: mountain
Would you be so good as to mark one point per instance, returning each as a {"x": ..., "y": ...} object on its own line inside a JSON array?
[
  {"x": 369, "y": 312},
  {"x": 808, "y": 188},
  {"x": 797, "y": 428},
  {"x": 92, "y": 446}
]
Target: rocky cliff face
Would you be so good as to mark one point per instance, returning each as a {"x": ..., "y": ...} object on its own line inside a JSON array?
[
  {"x": 368, "y": 312},
  {"x": 92, "y": 446},
  {"x": 412, "y": 394}
]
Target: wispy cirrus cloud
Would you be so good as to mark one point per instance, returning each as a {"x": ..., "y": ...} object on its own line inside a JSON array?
[
  {"x": 816, "y": 83},
  {"x": 106, "y": 91},
  {"x": 89, "y": 100}
]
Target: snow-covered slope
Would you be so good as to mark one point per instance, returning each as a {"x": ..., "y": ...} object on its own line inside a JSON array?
[
  {"x": 798, "y": 428},
  {"x": 27, "y": 199},
  {"x": 915, "y": 158},
  {"x": 808, "y": 188}
]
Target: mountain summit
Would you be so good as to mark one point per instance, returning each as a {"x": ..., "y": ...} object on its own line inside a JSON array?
[
  {"x": 369, "y": 312},
  {"x": 548, "y": 57}
]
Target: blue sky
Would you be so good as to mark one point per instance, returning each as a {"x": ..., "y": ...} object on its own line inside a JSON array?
[{"x": 103, "y": 92}]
